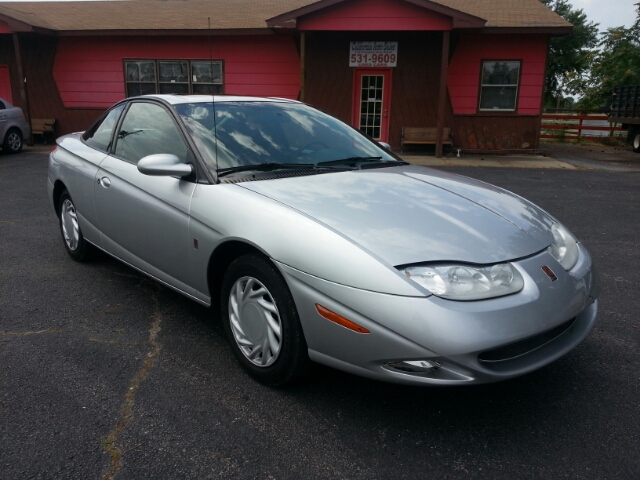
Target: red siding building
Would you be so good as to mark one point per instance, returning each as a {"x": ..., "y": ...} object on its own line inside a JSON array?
[{"x": 477, "y": 68}]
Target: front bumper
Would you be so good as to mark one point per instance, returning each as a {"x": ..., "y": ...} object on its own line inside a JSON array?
[{"x": 474, "y": 342}]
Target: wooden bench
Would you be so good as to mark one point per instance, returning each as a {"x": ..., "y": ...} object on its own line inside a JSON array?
[
  {"x": 43, "y": 126},
  {"x": 423, "y": 136}
]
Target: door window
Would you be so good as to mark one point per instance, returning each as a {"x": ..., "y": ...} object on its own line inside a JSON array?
[
  {"x": 148, "y": 129},
  {"x": 99, "y": 135},
  {"x": 372, "y": 89}
]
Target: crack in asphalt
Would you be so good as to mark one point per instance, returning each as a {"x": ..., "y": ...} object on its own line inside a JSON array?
[
  {"x": 112, "y": 342},
  {"x": 126, "y": 412},
  {"x": 24, "y": 334}
]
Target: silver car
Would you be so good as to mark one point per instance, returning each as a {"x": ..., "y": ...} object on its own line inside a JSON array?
[
  {"x": 14, "y": 129},
  {"x": 315, "y": 243}
]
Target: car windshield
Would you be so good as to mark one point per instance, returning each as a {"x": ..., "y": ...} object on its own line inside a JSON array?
[{"x": 274, "y": 134}]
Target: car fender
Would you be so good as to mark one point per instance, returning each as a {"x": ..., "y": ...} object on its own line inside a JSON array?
[{"x": 226, "y": 211}]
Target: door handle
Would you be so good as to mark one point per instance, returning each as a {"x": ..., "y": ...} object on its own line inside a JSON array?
[{"x": 104, "y": 181}]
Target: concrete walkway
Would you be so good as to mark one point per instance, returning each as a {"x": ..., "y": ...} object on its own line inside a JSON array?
[
  {"x": 560, "y": 156},
  {"x": 499, "y": 161}
]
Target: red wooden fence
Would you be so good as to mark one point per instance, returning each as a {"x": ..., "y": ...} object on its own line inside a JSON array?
[{"x": 571, "y": 125}]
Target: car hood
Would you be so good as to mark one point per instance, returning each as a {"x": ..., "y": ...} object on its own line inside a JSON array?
[{"x": 411, "y": 214}]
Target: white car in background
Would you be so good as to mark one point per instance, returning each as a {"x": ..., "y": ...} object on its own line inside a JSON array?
[{"x": 14, "y": 129}]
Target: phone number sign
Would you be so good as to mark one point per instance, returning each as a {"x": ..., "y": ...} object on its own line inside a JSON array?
[{"x": 373, "y": 54}]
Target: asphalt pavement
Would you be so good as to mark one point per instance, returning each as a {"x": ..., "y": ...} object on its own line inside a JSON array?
[{"x": 106, "y": 374}]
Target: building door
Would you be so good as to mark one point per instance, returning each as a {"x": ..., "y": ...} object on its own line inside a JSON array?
[
  {"x": 5, "y": 84},
  {"x": 371, "y": 99}
]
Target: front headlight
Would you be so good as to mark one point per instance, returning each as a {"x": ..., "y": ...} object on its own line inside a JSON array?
[
  {"x": 465, "y": 282},
  {"x": 564, "y": 247}
]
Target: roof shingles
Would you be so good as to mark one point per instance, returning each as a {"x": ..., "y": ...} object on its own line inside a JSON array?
[
  {"x": 234, "y": 14},
  {"x": 509, "y": 13}
]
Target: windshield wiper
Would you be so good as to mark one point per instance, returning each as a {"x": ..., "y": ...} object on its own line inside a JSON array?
[
  {"x": 353, "y": 162},
  {"x": 358, "y": 161},
  {"x": 264, "y": 167},
  {"x": 124, "y": 133}
]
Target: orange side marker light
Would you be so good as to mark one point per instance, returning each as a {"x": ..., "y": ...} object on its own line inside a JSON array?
[{"x": 340, "y": 320}]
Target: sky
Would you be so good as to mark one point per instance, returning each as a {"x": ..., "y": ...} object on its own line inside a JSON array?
[{"x": 608, "y": 13}]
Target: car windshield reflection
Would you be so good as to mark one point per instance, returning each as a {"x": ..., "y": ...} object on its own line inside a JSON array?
[{"x": 274, "y": 133}]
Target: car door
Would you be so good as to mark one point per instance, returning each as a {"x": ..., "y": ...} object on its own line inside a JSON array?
[
  {"x": 144, "y": 219},
  {"x": 82, "y": 168}
]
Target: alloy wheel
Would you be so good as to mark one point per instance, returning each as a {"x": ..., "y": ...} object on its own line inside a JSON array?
[{"x": 14, "y": 141}]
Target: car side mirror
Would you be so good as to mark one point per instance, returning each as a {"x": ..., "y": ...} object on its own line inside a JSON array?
[
  {"x": 164, "y": 164},
  {"x": 385, "y": 145}
]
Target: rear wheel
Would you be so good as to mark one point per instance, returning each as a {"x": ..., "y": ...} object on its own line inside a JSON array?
[
  {"x": 12, "y": 141},
  {"x": 77, "y": 247},
  {"x": 261, "y": 321}
]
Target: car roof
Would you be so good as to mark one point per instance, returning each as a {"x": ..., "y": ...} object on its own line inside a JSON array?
[{"x": 179, "y": 99}]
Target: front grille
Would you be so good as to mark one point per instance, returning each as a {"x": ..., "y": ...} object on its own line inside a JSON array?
[{"x": 517, "y": 349}]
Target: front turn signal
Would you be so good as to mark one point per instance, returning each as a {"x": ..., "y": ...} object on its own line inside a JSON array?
[{"x": 340, "y": 320}]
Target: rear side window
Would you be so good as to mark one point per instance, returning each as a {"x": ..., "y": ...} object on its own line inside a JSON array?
[
  {"x": 148, "y": 128},
  {"x": 99, "y": 136}
]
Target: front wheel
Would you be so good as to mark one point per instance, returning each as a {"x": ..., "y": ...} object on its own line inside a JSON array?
[
  {"x": 12, "y": 141},
  {"x": 77, "y": 247},
  {"x": 261, "y": 321}
]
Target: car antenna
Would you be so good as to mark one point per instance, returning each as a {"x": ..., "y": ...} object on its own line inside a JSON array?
[{"x": 213, "y": 95}]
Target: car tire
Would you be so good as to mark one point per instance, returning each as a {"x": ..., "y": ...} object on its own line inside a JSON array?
[
  {"x": 12, "y": 141},
  {"x": 261, "y": 321},
  {"x": 77, "y": 247},
  {"x": 635, "y": 143}
]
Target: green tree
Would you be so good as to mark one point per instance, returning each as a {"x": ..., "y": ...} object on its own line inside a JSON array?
[
  {"x": 616, "y": 63},
  {"x": 570, "y": 56}
]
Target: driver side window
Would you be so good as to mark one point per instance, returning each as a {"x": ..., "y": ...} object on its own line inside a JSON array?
[{"x": 148, "y": 129}]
